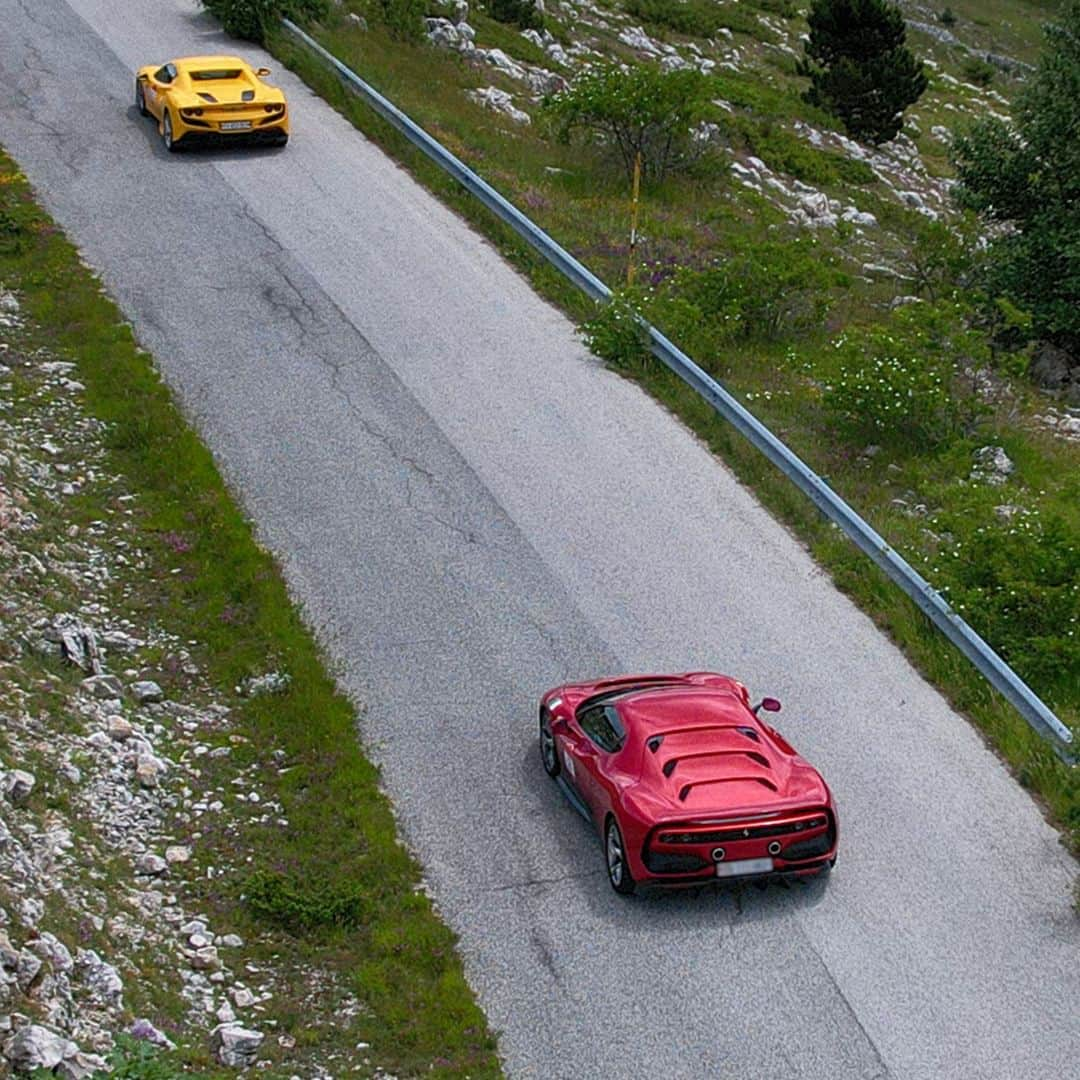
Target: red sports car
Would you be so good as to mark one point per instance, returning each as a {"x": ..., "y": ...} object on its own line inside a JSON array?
[{"x": 685, "y": 782}]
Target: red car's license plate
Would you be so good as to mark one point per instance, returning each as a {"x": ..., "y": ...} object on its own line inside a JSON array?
[
  {"x": 744, "y": 866},
  {"x": 235, "y": 125}
]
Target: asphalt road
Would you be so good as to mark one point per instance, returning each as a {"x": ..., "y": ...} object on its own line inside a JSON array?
[{"x": 471, "y": 509}]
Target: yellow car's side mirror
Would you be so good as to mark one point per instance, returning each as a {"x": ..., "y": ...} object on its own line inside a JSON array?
[{"x": 262, "y": 72}]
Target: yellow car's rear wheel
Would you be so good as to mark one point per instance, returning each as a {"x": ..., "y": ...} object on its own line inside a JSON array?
[
  {"x": 171, "y": 144},
  {"x": 140, "y": 99}
]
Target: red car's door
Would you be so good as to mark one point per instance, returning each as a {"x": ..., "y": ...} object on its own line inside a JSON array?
[{"x": 593, "y": 737}]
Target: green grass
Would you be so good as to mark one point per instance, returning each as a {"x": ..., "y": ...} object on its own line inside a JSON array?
[
  {"x": 691, "y": 221},
  {"x": 210, "y": 581}
]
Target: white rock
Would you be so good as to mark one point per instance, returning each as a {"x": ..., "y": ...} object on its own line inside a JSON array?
[
  {"x": 206, "y": 959},
  {"x": 225, "y": 1013},
  {"x": 636, "y": 38},
  {"x": 103, "y": 686},
  {"x": 150, "y": 864},
  {"x": 147, "y": 692},
  {"x": 858, "y": 217},
  {"x": 36, "y": 1047},
  {"x": 992, "y": 465},
  {"x": 118, "y": 728},
  {"x": 242, "y": 997},
  {"x": 148, "y": 769},
  {"x": 81, "y": 1067},
  {"x": 235, "y": 1046},
  {"x": 101, "y": 979},
  {"x": 178, "y": 853},
  {"x": 273, "y": 682},
  {"x": 27, "y": 969},
  {"x": 17, "y": 785},
  {"x": 500, "y": 101},
  {"x": 143, "y": 1029}
]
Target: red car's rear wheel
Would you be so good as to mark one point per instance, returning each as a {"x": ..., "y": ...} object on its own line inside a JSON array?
[
  {"x": 618, "y": 871},
  {"x": 549, "y": 753}
]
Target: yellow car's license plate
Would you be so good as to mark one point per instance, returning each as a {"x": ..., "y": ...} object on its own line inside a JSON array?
[
  {"x": 744, "y": 866},
  {"x": 235, "y": 125}
]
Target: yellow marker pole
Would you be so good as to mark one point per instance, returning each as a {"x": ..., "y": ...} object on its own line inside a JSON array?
[{"x": 631, "y": 264}]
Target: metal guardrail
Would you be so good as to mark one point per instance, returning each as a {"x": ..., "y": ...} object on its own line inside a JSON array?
[{"x": 992, "y": 667}]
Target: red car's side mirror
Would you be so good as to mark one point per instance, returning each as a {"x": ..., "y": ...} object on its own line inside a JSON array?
[{"x": 769, "y": 704}]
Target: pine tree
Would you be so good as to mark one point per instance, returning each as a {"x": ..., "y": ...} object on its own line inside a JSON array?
[{"x": 859, "y": 66}]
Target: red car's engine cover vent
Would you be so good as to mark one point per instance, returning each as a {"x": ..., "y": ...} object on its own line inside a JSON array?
[
  {"x": 686, "y": 789},
  {"x": 758, "y": 759}
]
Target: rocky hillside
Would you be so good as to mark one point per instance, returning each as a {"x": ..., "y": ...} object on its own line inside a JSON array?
[{"x": 115, "y": 789}]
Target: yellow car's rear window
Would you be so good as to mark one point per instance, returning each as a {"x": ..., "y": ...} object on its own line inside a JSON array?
[{"x": 219, "y": 73}]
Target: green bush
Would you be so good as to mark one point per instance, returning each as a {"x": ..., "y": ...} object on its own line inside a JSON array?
[
  {"x": 761, "y": 291},
  {"x": 615, "y": 333},
  {"x": 1018, "y": 584},
  {"x": 403, "y": 18},
  {"x": 899, "y": 382},
  {"x": 300, "y": 905},
  {"x": 520, "y": 13},
  {"x": 783, "y": 151},
  {"x": 251, "y": 19},
  {"x": 979, "y": 71},
  {"x": 947, "y": 18}
]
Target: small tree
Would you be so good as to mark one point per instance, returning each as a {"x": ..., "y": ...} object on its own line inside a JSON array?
[
  {"x": 641, "y": 110},
  {"x": 859, "y": 66},
  {"x": 1026, "y": 176}
]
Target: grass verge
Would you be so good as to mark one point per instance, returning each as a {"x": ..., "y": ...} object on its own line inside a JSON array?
[{"x": 335, "y": 890}]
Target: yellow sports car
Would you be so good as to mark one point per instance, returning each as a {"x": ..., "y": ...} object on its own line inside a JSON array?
[{"x": 211, "y": 99}]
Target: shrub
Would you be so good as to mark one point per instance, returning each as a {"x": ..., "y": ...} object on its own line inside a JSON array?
[
  {"x": 900, "y": 382},
  {"x": 859, "y": 66},
  {"x": 403, "y": 18},
  {"x": 785, "y": 152},
  {"x": 642, "y": 110},
  {"x": 136, "y": 1059},
  {"x": 252, "y": 18},
  {"x": 305, "y": 905},
  {"x": 1018, "y": 584},
  {"x": 979, "y": 71},
  {"x": 764, "y": 291},
  {"x": 615, "y": 333},
  {"x": 520, "y": 13},
  {"x": 947, "y": 18}
]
